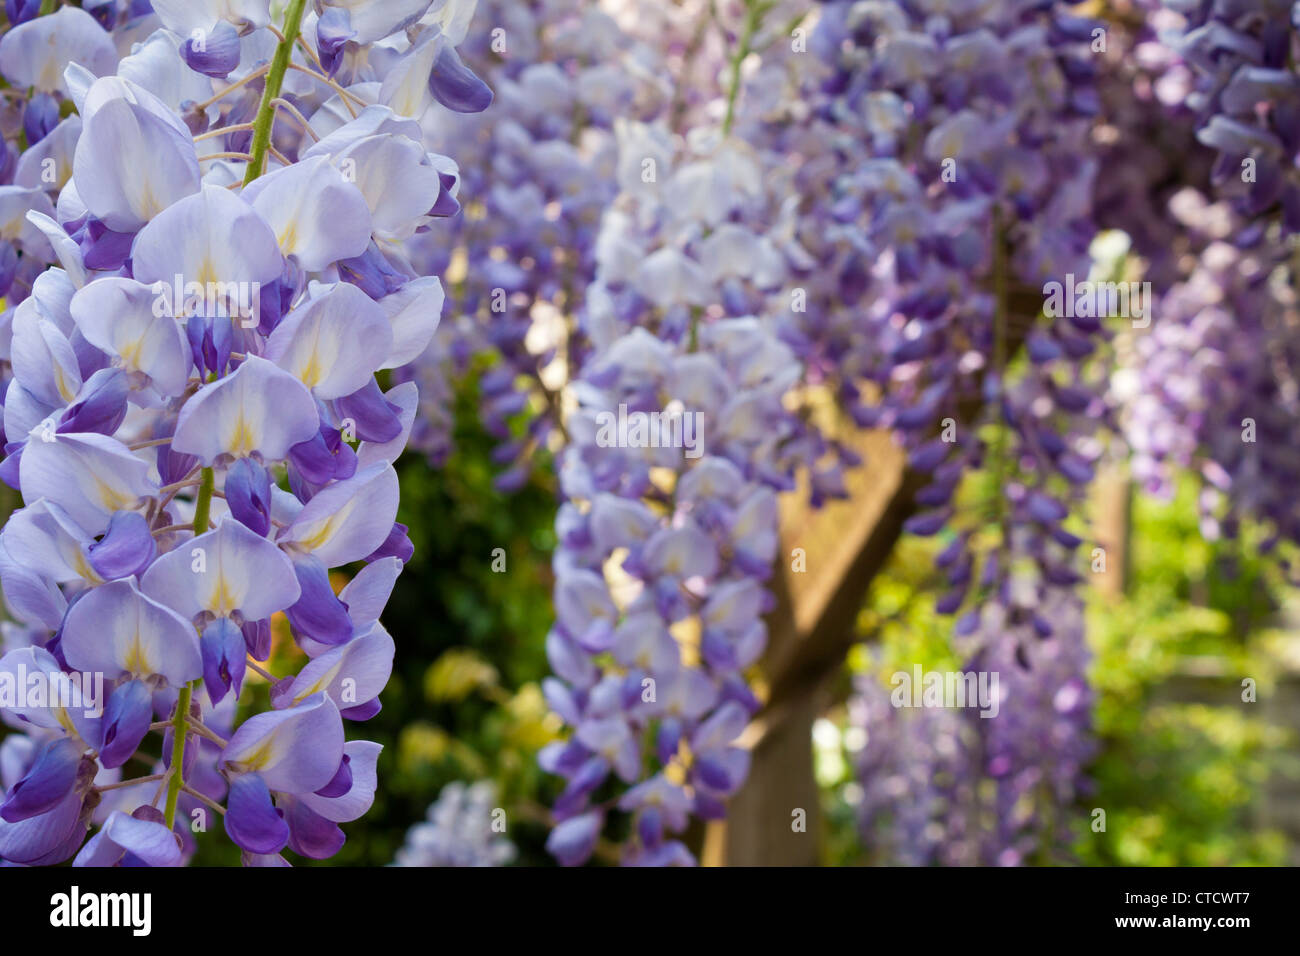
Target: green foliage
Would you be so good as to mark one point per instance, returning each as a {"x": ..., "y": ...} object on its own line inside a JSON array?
[{"x": 1183, "y": 761}]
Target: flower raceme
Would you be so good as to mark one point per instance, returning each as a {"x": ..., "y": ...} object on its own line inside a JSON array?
[
  {"x": 459, "y": 830},
  {"x": 201, "y": 299},
  {"x": 737, "y": 218},
  {"x": 664, "y": 552},
  {"x": 1214, "y": 387}
]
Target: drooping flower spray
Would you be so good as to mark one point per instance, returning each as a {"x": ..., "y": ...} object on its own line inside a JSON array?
[{"x": 195, "y": 418}]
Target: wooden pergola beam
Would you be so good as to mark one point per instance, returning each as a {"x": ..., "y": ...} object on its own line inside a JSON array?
[
  {"x": 774, "y": 819},
  {"x": 813, "y": 626}
]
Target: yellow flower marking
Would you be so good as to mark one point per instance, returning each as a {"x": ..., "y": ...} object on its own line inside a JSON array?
[
  {"x": 318, "y": 686},
  {"x": 207, "y": 274},
  {"x": 222, "y": 599},
  {"x": 310, "y": 368},
  {"x": 83, "y": 568},
  {"x": 65, "y": 389},
  {"x": 137, "y": 661},
  {"x": 109, "y": 497},
  {"x": 242, "y": 441},
  {"x": 326, "y": 527},
  {"x": 311, "y": 372},
  {"x": 288, "y": 239},
  {"x": 130, "y": 353},
  {"x": 259, "y": 758},
  {"x": 65, "y": 721}
]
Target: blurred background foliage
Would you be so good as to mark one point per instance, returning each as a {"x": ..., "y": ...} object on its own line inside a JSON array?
[{"x": 1189, "y": 773}]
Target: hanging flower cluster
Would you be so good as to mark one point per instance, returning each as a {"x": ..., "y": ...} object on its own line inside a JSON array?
[
  {"x": 1215, "y": 385},
  {"x": 952, "y": 195},
  {"x": 194, "y": 416},
  {"x": 1246, "y": 97},
  {"x": 679, "y": 441},
  {"x": 460, "y": 829},
  {"x": 666, "y": 392},
  {"x": 951, "y": 787},
  {"x": 966, "y": 187},
  {"x": 843, "y": 205},
  {"x": 539, "y": 169}
]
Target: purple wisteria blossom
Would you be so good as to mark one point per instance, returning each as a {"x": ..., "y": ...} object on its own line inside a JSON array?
[
  {"x": 666, "y": 542},
  {"x": 463, "y": 827},
  {"x": 850, "y": 215},
  {"x": 202, "y": 286},
  {"x": 686, "y": 252},
  {"x": 952, "y": 787},
  {"x": 1213, "y": 386}
]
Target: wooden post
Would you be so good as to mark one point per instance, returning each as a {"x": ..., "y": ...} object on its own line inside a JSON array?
[
  {"x": 844, "y": 545},
  {"x": 810, "y": 631},
  {"x": 1112, "y": 507}
]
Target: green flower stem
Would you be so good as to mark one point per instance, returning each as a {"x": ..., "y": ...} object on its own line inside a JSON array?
[
  {"x": 177, "y": 778},
  {"x": 203, "y": 504},
  {"x": 274, "y": 81},
  {"x": 202, "y": 509},
  {"x": 262, "y": 125},
  {"x": 754, "y": 10}
]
